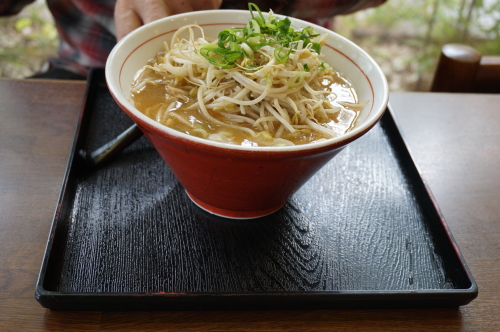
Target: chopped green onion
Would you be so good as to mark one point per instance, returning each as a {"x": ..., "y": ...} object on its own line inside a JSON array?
[
  {"x": 297, "y": 80},
  {"x": 281, "y": 54},
  {"x": 316, "y": 47},
  {"x": 323, "y": 66},
  {"x": 239, "y": 43},
  {"x": 253, "y": 27}
]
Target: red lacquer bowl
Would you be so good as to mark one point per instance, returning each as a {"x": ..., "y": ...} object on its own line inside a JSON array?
[{"x": 239, "y": 181}]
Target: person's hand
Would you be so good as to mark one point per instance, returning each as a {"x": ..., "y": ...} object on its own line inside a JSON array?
[{"x": 131, "y": 14}]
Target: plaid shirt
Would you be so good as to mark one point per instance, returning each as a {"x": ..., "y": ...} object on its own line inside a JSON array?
[{"x": 87, "y": 31}]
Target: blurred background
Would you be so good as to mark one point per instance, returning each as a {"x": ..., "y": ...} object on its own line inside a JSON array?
[{"x": 404, "y": 36}]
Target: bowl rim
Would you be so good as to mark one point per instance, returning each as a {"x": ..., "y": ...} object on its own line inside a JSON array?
[{"x": 334, "y": 142}]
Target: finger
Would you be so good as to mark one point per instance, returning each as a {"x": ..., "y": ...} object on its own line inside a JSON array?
[
  {"x": 206, "y": 4},
  {"x": 151, "y": 10},
  {"x": 131, "y": 14},
  {"x": 184, "y": 6},
  {"x": 179, "y": 6},
  {"x": 126, "y": 19}
]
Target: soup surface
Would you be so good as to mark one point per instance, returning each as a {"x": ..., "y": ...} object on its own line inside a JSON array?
[{"x": 155, "y": 100}]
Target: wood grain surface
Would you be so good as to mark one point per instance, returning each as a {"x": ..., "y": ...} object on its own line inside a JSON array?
[
  {"x": 454, "y": 139},
  {"x": 361, "y": 233}
]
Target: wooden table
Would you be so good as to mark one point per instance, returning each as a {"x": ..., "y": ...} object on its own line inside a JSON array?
[{"x": 455, "y": 141}]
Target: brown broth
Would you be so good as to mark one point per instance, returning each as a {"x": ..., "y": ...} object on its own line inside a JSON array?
[{"x": 153, "y": 100}]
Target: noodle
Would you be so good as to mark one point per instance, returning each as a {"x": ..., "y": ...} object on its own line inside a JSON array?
[{"x": 248, "y": 87}]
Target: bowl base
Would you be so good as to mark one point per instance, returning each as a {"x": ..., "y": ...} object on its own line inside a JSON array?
[{"x": 232, "y": 214}]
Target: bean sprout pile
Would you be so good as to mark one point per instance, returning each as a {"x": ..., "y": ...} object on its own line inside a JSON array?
[{"x": 265, "y": 82}]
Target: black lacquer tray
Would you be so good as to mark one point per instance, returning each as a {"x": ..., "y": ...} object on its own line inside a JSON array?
[{"x": 362, "y": 233}]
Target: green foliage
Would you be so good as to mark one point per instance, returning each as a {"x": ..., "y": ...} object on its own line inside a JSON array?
[
  {"x": 26, "y": 41},
  {"x": 23, "y": 23},
  {"x": 422, "y": 28},
  {"x": 491, "y": 45}
]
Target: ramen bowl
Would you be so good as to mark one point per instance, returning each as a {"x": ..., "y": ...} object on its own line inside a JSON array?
[{"x": 236, "y": 181}]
